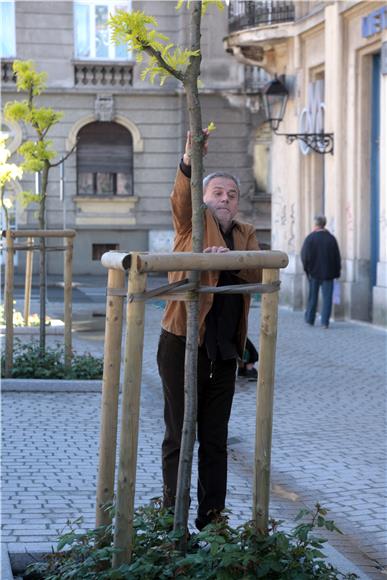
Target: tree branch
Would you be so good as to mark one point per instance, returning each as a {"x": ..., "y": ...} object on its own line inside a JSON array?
[
  {"x": 162, "y": 62},
  {"x": 66, "y": 156}
]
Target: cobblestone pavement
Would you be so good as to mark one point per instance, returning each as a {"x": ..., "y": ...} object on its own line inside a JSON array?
[{"x": 328, "y": 440}]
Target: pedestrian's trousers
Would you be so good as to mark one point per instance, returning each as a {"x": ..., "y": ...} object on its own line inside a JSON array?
[
  {"x": 216, "y": 385},
  {"x": 327, "y": 293}
]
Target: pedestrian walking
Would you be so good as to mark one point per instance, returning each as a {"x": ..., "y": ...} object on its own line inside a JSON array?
[
  {"x": 222, "y": 336},
  {"x": 321, "y": 259}
]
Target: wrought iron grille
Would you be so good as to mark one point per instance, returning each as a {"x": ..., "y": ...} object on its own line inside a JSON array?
[{"x": 248, "y": 13}]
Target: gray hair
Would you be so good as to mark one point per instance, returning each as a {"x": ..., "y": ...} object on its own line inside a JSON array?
[
  {"x": 212, "y": 176},
  {"x": 320, "y": 221}
]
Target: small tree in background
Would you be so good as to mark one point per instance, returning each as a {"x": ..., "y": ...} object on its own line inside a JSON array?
[
  {"x": 38, "y": 155},
  {"x": 8, "y": 172},
  {"x": 166, "y": 60}
]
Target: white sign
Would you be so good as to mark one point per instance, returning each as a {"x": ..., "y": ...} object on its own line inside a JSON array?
[{"x": 312, "y": 117}]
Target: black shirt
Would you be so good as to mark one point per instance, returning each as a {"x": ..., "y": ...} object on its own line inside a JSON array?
[{"x": 223, "y": 319}]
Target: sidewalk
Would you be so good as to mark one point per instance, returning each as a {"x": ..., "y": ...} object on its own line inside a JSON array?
[{"x": 328, "y": 441}]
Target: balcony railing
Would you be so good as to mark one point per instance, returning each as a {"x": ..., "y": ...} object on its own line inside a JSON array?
[
  {"x": 90, "y": 73},
  {"x": 255, "y": 79},
  {"x": 7, "y": 74},
  {"x": 247, "y": 13}
]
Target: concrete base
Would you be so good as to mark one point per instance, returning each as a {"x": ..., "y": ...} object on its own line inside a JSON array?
[{"x": 379, "y": 306}]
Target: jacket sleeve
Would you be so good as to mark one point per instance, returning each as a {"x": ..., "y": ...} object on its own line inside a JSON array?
[{"x": 181, "y": 204}]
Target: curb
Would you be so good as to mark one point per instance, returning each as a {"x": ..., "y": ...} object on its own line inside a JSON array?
[
  {"x": 23, "y": 556},
  {"x": 50, "y": 386},
  {"x": 6, "y": 570}
]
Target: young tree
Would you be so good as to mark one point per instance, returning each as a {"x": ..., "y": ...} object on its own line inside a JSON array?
[
  {"x": 8, "y": 172},
  {"x": 37, "y": 153},
  {"x": 166, "y": 60}
]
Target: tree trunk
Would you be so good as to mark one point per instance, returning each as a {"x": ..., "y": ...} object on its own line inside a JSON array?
[
  {"x": 42, "y": 261},
  {"x": 191, "y": 352}
]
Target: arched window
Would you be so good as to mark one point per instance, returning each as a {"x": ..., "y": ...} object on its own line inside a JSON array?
[{"x": 104, "y": 160}]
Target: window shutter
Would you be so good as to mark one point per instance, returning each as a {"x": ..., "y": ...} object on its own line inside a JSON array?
[{"x": 104, "y": 148}]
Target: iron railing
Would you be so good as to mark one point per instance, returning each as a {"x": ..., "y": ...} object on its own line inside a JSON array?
[
  {"x": 248, "y": 13},
  {"x": 255, "y": 79}
]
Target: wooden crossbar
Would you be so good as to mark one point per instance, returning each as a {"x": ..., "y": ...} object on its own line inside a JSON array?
[
  {"x": 40, "y": 234},
  {"x": 202, "y": 262},
  {"x": 25, "y": 248}
]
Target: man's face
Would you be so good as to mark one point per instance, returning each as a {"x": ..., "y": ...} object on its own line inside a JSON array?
[{"x": 222, "y": 197}]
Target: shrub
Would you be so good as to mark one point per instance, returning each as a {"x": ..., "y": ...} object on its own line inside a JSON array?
[
  {"x": 217, "y": 552},
  {"x": 30, "y": 362}
]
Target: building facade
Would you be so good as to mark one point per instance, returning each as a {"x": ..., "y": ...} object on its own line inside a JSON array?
[
  {"x": 332, "y": 57},
  {"x": 114, "y": 190}
]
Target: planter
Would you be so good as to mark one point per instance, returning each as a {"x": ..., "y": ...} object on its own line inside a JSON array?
[
  {"x": 50, "y": 386},
  {"x": 56, "y": 327}
]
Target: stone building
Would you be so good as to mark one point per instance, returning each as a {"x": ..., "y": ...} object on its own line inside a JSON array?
[
  {"x": 332, "y": 58},
  {"x": 115, "y": 188}
]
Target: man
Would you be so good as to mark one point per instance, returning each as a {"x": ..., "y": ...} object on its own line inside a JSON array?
[
  {"x": 222, "y": 335},
  {"x": 320, "y": 256}
]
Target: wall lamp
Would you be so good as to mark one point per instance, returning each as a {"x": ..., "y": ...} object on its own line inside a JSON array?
[{"x": 275, "y": 97}]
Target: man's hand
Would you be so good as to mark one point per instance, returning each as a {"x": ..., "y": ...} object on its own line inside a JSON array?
[
  {"x": 215, "y": 250},
  {"x": 188, "y": 146}
]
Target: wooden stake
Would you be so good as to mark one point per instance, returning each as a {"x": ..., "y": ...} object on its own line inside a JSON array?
[
  {"x": 8, "y": 305},
  {"x": 123, "y": 534},
  {"x": 110, "y": 391},
  {"x": 28, "y": 282},
  {"x": 265, "y": 397},
  {"x": 68, "y": 306}
]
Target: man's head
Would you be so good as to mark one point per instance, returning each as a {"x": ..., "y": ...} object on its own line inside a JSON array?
[
  {"x": 320, "y": 221},
  {"x": 221, "y": 195}
]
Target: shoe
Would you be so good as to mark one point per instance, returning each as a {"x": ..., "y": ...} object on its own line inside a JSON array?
[
  {"x": 251, "y": 374},
  {"x": 213, "y": 517},
  {"x": 325, "y": 326},
  {"x": 241, "y": 372}
]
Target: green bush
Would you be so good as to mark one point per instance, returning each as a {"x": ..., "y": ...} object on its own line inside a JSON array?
[
  {"x": 217, "y": 552},
  {"x": 29, "y": 362}
]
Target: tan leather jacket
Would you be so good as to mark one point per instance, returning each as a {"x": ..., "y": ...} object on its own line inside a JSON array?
[{"x": 174, "y": 319}]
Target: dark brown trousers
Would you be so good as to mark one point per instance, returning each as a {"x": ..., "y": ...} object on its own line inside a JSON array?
[{"x": 216, "y": 385}]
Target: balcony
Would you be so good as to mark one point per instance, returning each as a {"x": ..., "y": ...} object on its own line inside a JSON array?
[{"x": 248, "y": 14}]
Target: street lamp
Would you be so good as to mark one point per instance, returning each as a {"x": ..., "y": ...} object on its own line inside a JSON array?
[{"x": 275, "y": 97}]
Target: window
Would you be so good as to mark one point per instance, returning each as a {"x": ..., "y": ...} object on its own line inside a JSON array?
[
  {"x": 92, "y": 33},
  {"x": 7, "y": 27},
  {"x": 98, "y": 250},
  {"x": 105, "y": 160}
]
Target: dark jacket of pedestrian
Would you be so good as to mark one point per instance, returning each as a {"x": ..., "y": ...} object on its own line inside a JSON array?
[{"x": 320, "y": 255}]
